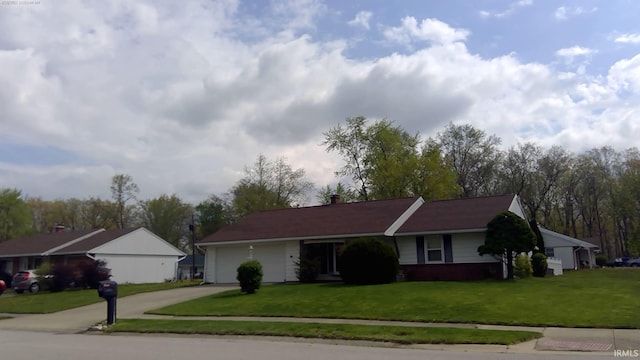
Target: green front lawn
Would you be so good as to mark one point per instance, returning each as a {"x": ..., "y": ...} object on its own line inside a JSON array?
[
  {"x": 395, "y": 334},
  {"x": 48, "y": 302},
  {"x": 607, "y": 298}
]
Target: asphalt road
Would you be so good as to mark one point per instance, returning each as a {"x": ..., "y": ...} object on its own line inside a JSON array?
[{"x": 22, "y": 345}]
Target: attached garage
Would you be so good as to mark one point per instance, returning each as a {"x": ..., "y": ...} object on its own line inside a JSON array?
[{"x": 222, "y": 262}]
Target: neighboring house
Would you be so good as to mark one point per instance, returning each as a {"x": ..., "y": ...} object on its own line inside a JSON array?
[
  {"x": 133, "y": 255},
  {"x": 185, "y": 267},
  {"x": 436, "y": 240},
  {"x": 574, "y": 253}
]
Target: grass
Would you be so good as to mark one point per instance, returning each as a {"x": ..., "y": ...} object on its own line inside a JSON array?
[
  {"x": 48, "y": 302},
  {"x": 394, "y": 334},
  {"x": 604, "y": 298}
]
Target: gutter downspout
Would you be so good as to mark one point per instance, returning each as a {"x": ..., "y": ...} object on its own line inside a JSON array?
[
  {"x": 575, "y": 258},
  {"x": 177, "y": 266}
]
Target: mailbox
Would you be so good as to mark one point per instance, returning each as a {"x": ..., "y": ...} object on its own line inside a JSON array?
[{"x": 108, "y": 289}]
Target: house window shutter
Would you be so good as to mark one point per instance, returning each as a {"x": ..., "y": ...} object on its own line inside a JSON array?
[
  {"x": 448, "y": 251},
  {"x": 420, "y": 249}
]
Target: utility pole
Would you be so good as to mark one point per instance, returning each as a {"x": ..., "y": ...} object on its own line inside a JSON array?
[{"x": 192, "y": 228}]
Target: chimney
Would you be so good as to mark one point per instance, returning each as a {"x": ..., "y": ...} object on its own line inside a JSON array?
[{"x": 335, "y": 199}]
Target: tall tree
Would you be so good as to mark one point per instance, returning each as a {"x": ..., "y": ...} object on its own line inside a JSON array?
[
  {"x": 433, "y": 178},
  {"x": 532, "y": 173},
  {"x": 123, "y": 190},
  {"x": 168, "y": 217},
  {"x": 213, "y": 214},
  {"x": 269, "y": 185},
  {"x": 391, "y": 159},
  {"x": 473, "y": 155},
  {"x": 15, "y": 219},
  {"x": 345, "y": 194},
  {"x": 385, "y": 161},
  {"x": 351, "y": 143},
  {"x": 96, "y": 213}
]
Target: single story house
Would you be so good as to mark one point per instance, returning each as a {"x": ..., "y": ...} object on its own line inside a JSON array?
[
  {"x": 134, "y": 255},
  {"x": 574, "y": 253},
  {"x": 435, "y": 240},
  {"x": 186, "y": 267}
]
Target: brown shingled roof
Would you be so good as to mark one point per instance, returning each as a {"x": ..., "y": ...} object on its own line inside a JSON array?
[
  {"x": 94, "y": 241},
  {"x": 455, "y": 214},
  {"x": 326, "y": 221},
  {"x": 39, "y": 244}
]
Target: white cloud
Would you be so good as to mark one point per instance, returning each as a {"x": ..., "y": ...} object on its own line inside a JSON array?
[
  {"x": 175, "y": 96},
  {"x": 431, "y": 30},
  {"x": 628, "y": 39},
  {"x": 564, "y": 13},
  {"x": 513, "y": 7},
  {"x": 361, "y": 20},
  {"x": 575, "y": 51}
]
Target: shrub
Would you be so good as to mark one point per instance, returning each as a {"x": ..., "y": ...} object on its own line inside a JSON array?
[
  {"x": 91, "y": 272},
  {"x": 307, "y": 270},
  {"x": 368, "y": 261},
  {"x": 601, "y": 260},
  {"x": 45, "y": 279},
  {"x": 522, "y": 267},
  {"x": 250, "y": 276},
  {"x": 539, "y": 265},
  {"x": 63, "y": 276},
  {"x": 6, "y": 277}
]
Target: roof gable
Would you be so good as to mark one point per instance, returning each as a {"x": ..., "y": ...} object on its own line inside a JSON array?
[
  {"x": 138, "y": 241},
  {"x": 457, "y": 215},
  {"x": 371, "y": 218}
]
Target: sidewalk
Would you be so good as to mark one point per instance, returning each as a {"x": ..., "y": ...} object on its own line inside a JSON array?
[{"x": 80, "y": 319}]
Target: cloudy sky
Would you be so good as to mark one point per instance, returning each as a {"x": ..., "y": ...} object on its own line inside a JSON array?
[{"x": 181, "y": 95}]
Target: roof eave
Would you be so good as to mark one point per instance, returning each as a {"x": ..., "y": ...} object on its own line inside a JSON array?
[
  {"x": 326, "y": 237},
  {"x": 444, "y": 231}
]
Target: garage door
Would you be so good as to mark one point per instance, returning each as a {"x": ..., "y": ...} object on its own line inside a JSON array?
[{"x": 272, "y": 258}]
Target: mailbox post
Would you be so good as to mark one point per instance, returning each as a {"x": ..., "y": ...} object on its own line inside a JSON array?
[{"x": 109, "y": 291}]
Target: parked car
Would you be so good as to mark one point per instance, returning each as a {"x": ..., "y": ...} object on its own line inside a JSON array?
[
  {"x": 618, "y": 262},
  {"x": 25, "y": 280},
  {"x": 3, "y": 286},
  {"x": 634, "y": 262}
]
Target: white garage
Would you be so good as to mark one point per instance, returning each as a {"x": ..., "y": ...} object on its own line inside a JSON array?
[{"x": 221, "y": 262}]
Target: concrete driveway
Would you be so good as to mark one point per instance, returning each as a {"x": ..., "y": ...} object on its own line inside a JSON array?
[{"x": 80, "y": 319}]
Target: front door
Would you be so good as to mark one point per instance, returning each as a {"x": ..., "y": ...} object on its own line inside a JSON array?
[{"x": 328, "y": 254}]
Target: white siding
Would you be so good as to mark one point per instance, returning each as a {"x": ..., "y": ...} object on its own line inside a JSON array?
[
  {"x": 292, "y": 256},
  {"x": 140, "y": 241},
  {"x": 226, "y": 259},
  {"x": 407, "y": 250},
  {"x": 465, "y": 248},
  {"x": 566, "y": 255},
  {"x": 516, "y": 208},
  {"x": 210, "y": 264},
  {"x": 272, "y": 257},
  {"x": 140, "y": 269}
]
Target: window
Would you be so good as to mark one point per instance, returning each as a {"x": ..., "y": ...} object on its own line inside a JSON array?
[
  {"x": 434, "y": 249},
  {"x": 549, "y": 252}
]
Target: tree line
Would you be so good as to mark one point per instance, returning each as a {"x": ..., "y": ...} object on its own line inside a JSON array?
[{"x": 594, "y": 194}]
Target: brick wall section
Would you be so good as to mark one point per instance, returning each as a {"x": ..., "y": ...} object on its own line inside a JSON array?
[{"x": 431, "y": 272}]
